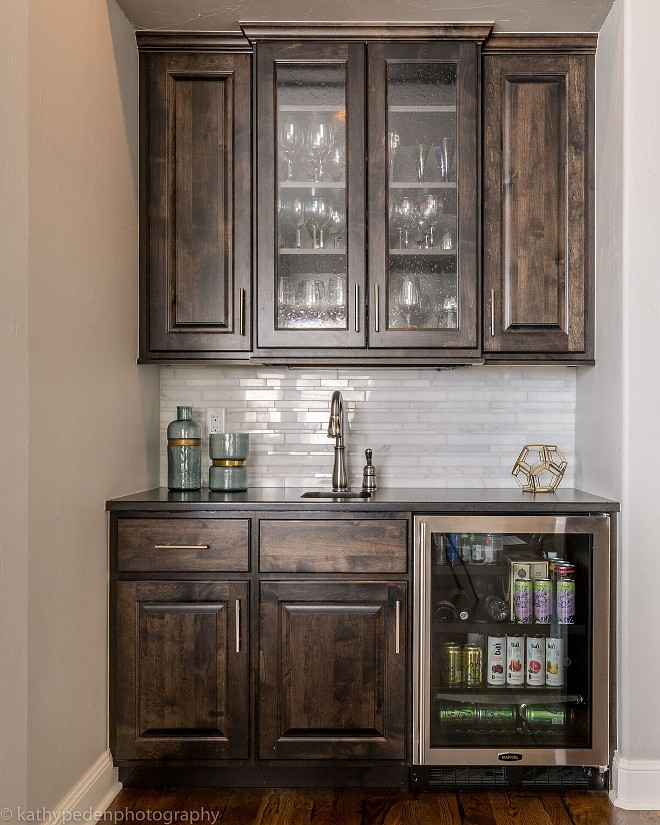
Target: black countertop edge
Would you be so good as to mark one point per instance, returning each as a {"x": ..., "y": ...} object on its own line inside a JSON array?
[{"x": 425, "y": 500}]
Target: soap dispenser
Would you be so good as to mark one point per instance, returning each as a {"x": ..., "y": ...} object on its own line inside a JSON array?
[{"x": 369, "y": 473}]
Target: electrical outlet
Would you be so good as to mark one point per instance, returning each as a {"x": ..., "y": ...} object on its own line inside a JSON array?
[{"x": 215, "y": 421}]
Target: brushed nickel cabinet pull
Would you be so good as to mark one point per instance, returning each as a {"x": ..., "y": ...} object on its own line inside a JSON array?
[
  {"x": 181, "y": 546},
  {"x": 398, "y": 625},
  {"x": 376, "y": 308},
  {"x": 241, "y": 313},
  {"x": 357, "y": 307},
  {"x": 492, "y": 313},
  {"x": 238, "y": 625}
]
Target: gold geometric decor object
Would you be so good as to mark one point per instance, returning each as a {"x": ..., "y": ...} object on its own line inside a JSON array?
[{"x": 539, "y": 468}]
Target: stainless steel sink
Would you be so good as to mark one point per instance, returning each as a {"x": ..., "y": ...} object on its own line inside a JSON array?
[{"x": 337, "y": 494}]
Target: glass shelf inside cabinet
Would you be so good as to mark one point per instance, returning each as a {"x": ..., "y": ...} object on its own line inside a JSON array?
[
  {"x": 422, "y": 288},
  {"x": 311, "y": 272},
  {"x": 511, "y": 640}
]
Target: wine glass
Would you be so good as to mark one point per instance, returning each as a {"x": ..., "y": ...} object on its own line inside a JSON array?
[
  {"x": 409, "y": 299},
  {"x": 407, "y": 212},
  {"x": 291, "y": 141},
  {"x": 421, "y": 154},
  {"x": 428, "y": 218},
  {"x": 395, "y": 224},
  {"x": 296, "y": 216},
  {"x": 283, "y": 219},
  {"x": 336, "y": 162},
  {"x": 393, "y": 143},
  {"x": 320, "y": 140},
  {"x": 336, "y": 223},
  {"x": 318, "y": 214}
]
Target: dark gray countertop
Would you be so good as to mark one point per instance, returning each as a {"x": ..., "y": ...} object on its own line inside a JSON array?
[{"x": 426, "y": 500}]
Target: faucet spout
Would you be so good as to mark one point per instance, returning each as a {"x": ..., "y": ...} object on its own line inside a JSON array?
[{"x": 336, "y": 431}]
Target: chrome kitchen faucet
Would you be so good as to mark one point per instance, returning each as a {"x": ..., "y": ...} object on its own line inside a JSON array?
[{"x": 336, "y": 431}]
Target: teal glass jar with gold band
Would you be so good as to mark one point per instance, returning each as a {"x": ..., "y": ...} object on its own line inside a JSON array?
[
  {"x": 184, "y": 452},
  {"x": 228, "y": 471}
]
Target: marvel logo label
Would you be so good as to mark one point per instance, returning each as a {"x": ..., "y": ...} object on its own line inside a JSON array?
[{"x": 509, "y": 757}]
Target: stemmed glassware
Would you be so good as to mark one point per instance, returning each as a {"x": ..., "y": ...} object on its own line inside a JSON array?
[
  {"x": 291, "y": 139},
  {"x": 427, "y": 220},
  {"x": 336, "y": 162},
  {"x": 297, "y": 217},
  {"x": 409, "y": 298},
  {"x": 408, "y": 216},
  {"x": 393, "y": 143},
  {"x": 336, "y": 223},
  {"x": 317, "y": 211},
  {"x": 320, "y": 140},
  {"x": 421, "y": 151}
]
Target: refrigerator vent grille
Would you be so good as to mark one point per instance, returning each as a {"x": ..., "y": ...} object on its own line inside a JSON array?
[
  {"x": 467, "y": 777},
  {"x": 555, "y": 777}
]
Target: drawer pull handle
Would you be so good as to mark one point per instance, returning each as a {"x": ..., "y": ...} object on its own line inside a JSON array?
[
  {"x": 376, "y": 308},
  {"x": 357, "y": 307},
  {"x": 397, "y": 616},
  {"x": 238, "y": 625},
  {"x": 181, "y": 546},
  {"x": 241, "y": 313},
  {"x": 492, "y": 313}
]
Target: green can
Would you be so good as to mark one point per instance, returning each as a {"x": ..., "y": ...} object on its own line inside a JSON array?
[
  {"x": 545, "y": 716},
  {"x": 500, "y": 716},
  {"x": 566, "y": 600},
  {"x": 456, "y": 715}
]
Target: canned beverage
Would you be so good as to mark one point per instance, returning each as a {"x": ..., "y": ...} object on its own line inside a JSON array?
[
  {"x": 501, "y": 716},
  {"x": 542, "y": 716},
  {"x": 464, "y": 714},
  {"x": 542, "y": 601},
  {"x": 489, "y": 554},
  {"x": 536, "y": 661},
  {"x": 478, "y": 549},
  {"x": 496, "y": 672},
  {"x": 566, "y": 601},
  {"x": 475, "y": 639},
  {"x": 453, "y": 675},
  {"x": 554, "y": 662},
  {"x": 522, "y": 601},
  {"x": 515, "y": 660},
  {"x": 472, "y": 665},
  {"x": 452, "y": 549}
]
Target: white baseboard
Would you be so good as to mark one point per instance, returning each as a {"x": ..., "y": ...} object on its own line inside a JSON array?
[
  {"x": 94, "y": 791},
  {"x": 636, "y": 783}
]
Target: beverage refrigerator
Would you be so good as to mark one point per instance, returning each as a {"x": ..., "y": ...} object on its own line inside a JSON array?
[{"x": 511, "y": 651}]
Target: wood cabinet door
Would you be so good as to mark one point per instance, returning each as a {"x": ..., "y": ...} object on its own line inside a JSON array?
[
  {"x": 310, "y": 166},
  {"x": 179, "y": 670},
  {"x": 538, "y": 263},
  {"x": 332, "y": 670},
  {"x": 195, "y": 204}
]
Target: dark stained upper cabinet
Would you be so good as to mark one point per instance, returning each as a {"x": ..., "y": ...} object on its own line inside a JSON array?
[
  {"x": 538, "y": 207},
  {"x": 195, "y": 183}
]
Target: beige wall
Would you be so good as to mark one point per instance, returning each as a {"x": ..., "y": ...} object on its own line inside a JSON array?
[
  {"x": 93, "y": 413},
  {"x": 13, "y": 401}
]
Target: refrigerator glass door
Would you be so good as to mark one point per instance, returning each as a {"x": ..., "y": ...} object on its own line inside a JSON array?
[{"x": 512, "y": 627}]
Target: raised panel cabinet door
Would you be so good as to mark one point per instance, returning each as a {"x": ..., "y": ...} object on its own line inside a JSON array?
[
  {"x": 423, "y": 195},
  {"x": 310, "y": 195},
  {"x": 180, "y": 671},
  {"x": 332, "y": 670},
  {"x": 538, "y": 264},
  {"x": 195, "y": 203}
]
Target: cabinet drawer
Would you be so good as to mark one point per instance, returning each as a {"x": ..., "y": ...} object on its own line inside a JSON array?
[
  {"x": 194, "y": 545},
  {"x": 333, "y": 546}
]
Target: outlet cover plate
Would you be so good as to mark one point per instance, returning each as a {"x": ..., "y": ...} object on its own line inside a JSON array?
[{"x": 215, "y": 420}]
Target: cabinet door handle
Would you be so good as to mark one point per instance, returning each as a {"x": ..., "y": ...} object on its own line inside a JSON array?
[
  {"x": 241, "y": 312},
  {"x": 376, "y": 308},
  {"x": 492, "y": 313},
  {"x": 397, "y": 621},
  {"x": 181, "y": 546},
  {"x": 238, "y": 625},
  {"x": 357, "y": 307}
]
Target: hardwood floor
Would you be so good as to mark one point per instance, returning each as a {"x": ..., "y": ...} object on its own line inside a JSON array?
[{"x": 327, "y": 806}]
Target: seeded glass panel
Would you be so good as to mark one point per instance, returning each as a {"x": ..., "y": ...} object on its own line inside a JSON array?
[
  {"x": 422, "y": 286},
  {"x": 311, "y": 204},
  {"x": 507, "y": 669}
]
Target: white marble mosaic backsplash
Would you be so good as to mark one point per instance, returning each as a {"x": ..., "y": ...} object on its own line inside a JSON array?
[{"x": 427, "y": 428}]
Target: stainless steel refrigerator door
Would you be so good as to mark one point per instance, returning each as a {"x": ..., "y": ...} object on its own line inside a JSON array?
[{"x": 597, "y": 526}]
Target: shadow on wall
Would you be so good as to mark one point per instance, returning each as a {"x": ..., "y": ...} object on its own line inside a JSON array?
[{"x": 126, "y": 61}]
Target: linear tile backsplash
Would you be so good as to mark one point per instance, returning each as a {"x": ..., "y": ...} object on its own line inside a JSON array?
[{"x": 427, "y": 428}]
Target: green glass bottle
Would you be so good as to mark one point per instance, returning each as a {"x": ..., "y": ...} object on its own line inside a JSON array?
[{"x": 184, "y": 452}]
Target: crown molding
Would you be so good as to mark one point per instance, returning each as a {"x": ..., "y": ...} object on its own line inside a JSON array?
[{"x": 292, "y": 30}]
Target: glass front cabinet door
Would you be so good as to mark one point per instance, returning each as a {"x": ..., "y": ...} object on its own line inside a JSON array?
[
  {"x": 310, "y": 195},
  {"x": 423, "y": 205},
  {"x": 512, "y": 641}
]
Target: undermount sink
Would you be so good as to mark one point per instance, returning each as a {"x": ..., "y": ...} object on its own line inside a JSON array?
[{"x": 337, "y": 494}]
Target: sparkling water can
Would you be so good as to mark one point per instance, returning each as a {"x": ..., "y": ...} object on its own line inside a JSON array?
[
  {"x": 566, "y": 601},
  {"x": 536, "y": 661},
  {"x": 496, "y": 672},
  {"x": 515, "y": 660},
  {"x": 542, "y": 601},
  {"x": 522, "y": 601},
  {"x": 554, "y": 662}
]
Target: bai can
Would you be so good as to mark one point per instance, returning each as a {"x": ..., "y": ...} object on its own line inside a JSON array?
[
  {"x": 515, "y": 660},
  {"x": 453, "y": 675},
  {"x": 522, "y": 601},
  {"x": 566, "y": 600},
  {"x": 536, "y": 661},
  {"x": 542, "y": 601},
  {"x": 496, "y": 716},
  {"x": 554, "y": 662},
  {"x": 457, "y": 715},
  {"x": 496, "y": 667},
  {"x": 472, "y": 666}
]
